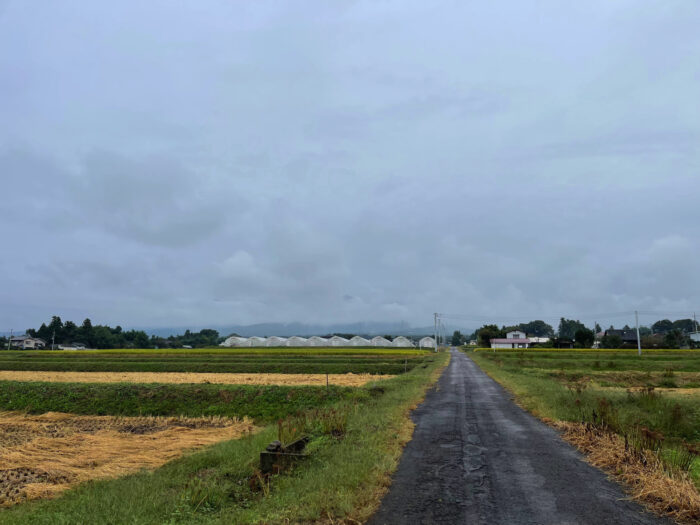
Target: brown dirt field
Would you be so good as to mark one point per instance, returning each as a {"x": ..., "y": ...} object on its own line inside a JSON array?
[
  {"x": 45, "y": 454},
  {"x": 644, "y": 475},
  {"x": 191, "y": 377}
]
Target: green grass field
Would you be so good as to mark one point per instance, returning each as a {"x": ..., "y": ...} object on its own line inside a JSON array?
[
  {"x": 264, "y": 404},
  {"x": 356, "y": 440},
  {"x": 616, "y": 388},
  {"x": 233, "y": 360}
]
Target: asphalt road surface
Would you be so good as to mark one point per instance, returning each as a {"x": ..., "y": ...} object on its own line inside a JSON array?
[{"x": 477, "y": 458}]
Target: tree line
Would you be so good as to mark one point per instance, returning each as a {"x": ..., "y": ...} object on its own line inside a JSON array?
[
  {"x": 57, "y": 332},
  {"x": 662, "y": 334}
]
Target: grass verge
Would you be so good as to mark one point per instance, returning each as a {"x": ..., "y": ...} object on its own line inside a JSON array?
[
  {"x": 646, "y": 424},
  {"x": 354, "y": 449}
]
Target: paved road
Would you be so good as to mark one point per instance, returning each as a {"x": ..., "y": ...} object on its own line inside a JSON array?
[{"x": 477, "y": 458}]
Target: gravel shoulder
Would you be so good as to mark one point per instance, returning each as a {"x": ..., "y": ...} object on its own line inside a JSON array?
[{"x": 478, "y": 458}]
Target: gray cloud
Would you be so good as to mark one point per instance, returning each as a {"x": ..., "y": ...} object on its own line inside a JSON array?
[{"x": 347, "y": 161}]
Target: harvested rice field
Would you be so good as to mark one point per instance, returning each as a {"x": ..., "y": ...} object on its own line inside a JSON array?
[
  {"x": 42, "y": 455},
  {"x": 352, "y": 380}
]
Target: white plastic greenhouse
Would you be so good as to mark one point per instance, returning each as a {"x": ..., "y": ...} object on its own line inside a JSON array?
[
  {"x": 402, "y": 342},
  {"x": 234, "y": 341},
  {"x": 297, "y": 341},
  {"x": 359, "y": 341},
  {"x": 426, "y": 342}
]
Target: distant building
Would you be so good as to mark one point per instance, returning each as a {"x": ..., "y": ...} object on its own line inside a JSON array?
[
  {"x": 297, "y": 341},
  {"x": 24, "y": 342},
  {"x": 695, "y": 336},
  {"x": 627, "y": 336},
  {"x": 514, "y": 339},
  {"x": 538, "y": 340},
  {"x": 276, "y": 341},
  {"x": 402, "y": 342},
  {"x": 380, "y": 341},
  {"x": 359, "y": 341},
  {"x": 426, "y": 342},
  {"x": 71, "y": 346}
]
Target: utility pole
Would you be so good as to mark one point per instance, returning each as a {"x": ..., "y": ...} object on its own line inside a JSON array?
[
  {"x": 53, "y": 338},
  {"x": 639, "y": 341},
  {"x": 435, "y": 331},
  {"x": 9, "y": 341},
  {"x": 696, "y": 322}
]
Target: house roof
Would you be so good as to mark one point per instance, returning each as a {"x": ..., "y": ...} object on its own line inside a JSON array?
[
  {"x": 625, "y": 335},
  {"x": 25, "y": 338},
  {"x": 510, "y": 340}
]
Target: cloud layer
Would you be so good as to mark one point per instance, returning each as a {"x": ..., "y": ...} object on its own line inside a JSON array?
[{"x": 239, "y": 163}]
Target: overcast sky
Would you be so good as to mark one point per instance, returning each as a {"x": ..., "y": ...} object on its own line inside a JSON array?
[{"x": 194, "y": 163}]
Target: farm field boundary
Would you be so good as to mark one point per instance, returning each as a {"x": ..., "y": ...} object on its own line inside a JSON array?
[
  {"x": 288, "y": 363},
  {"x": 355, "y": 445},
  {"x": 350, "y": 380},
  {"x": 658, "y": 430},
  {"x": 263, "y": 403},
  {"x": 359, "y": 351}
]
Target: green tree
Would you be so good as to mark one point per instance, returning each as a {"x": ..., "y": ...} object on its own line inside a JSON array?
[
  {"x": 644, "y": 331},
  {"x": 537, "y": 328},
  {"x": 86, "y": 335},
  {"x": 611, "y": 341},
  {"x": 488, "y": 332},
  {"x": 584, "y": 338},
  {"x": 568, "y": 328},
  {"x": 457, "y": 338},
  {"x": 676, "y": 338},
  {"x": 663, "y": 326},
  {"x": 44, "y": 332},
  {"x": 684, "y": 325},
  {"x": 70, "y": 332}
]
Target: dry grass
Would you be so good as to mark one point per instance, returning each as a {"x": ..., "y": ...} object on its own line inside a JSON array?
[
  {"x": 190, "y": 377},
  {"x": 46, "y": 454},
  {"x": 644, "y": 475}
]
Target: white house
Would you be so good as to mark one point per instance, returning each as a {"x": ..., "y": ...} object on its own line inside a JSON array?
[
  {"x": 514, "y": 339},
  {"x": 27, "y": 343}
]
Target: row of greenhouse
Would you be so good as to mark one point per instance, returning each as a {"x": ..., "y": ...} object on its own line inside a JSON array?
[{"x": 398, "y": 342}]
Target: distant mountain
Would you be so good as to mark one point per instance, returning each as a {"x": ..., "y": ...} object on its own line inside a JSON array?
[{"x": 301, "y": 329}]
